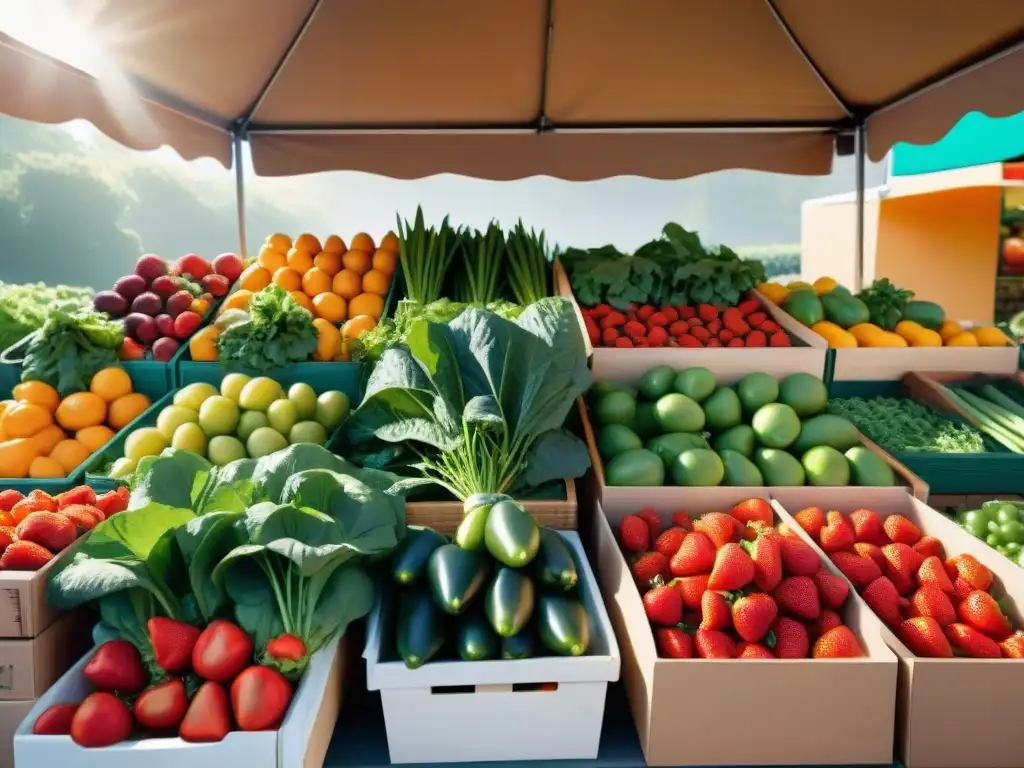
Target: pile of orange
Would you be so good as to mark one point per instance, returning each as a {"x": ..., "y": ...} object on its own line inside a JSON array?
[{"x": 42, "y": 435}]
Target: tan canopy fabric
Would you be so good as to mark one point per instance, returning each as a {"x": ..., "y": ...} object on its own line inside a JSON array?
[{"x": 503, "y": 89}]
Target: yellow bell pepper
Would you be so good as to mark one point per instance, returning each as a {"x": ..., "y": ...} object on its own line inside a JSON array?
[
  {"x": 774, "y": 292},
  {"x": 990, "y": 336},
  {"x": 836, "y": 337}
]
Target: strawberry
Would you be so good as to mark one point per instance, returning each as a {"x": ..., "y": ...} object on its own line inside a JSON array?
[
  {"x": 116, "y": 666},
  {"x": 929, "y": 546},
  {"x": 714, "y": 611},
  {"x": 696, "y": 555},
  {"x": 682, "y": 520},
  {"x": 102, "y": 720},
  {"x": 733, "y": 568},
  {"x": 112, "y": 502},
  {"x": 754, "y": 510},
  {"x": 82, "y": 494},
  {"x": 967, "y": 641},
  {"x": 673, "y": 643},
  {"x": 867, "y": 525},
  {"x": 55, "y": 721},
  {"x": 861, "y": 571},
  {"x": 828, "y": 619},
  {"x": 929, "y": 601},
  {"x": 719, "y": 527},
  {"x": 161, "y": 706},
  {"x": 288, "y": 647},
  {"x": 798, "y": 557},
  {"x": 967, "y": 568},
  {"x": 798, "y": 596},
  {"x": 692, "y": 589},
  {"x": 207, "y": 718},
  {"x": 649, "y": 566},
  {"x": 753, "y": 616},
  {"x": 713, "y": 645},
  {"x": 48, "y": 529},
  {"x": 832, "y": 589},
  {"x": 24, "y": 556},
  {"x": 634, "y": 535},
  {"x": 837, "y": 533},
  {"x": 812, "y": 520},
  {"x": 901, "y": 531},
  {"x": 882, "y": 598},
  {"x": 669, "y": 541},
  {"x": 924, "y": 637},
  {"x": 980, "y": 610},
  {"x": 664, "y": 606},
  {"x": 767, "y": 558},
  {"x": 901, "y": 565},
  {"x": 172, "y": 642},
  {"x": 1013, "y": 646},
  {"x": 873, "y": 551},
  {"x": 9, "y": 498},
  {"x": 838, "y": 643},
  {"x": 7, "y": 537},
  {"x": 260, "y": 698},
  {"x": 791, "y": 638},
  {"x": 932, "y": 573},
  {"x": 753, "y": 651},
  {"x": 221, "y": 651},
  {"x": 653, "y": 520},
  {"x": 83, "y": 517}
]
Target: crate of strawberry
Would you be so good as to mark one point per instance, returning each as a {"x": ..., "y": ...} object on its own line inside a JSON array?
[
  {"x": 723, "y": 599},
  {"x": 946, "y": 600}
]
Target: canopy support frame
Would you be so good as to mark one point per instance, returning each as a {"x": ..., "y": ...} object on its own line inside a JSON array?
[
  {"x": 549, "y": 31},
  {"x": 236, "y": 154}
]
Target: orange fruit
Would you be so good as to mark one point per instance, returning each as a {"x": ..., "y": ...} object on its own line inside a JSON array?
[
  {"x": 288, "y": 279},
  {"x": 69, "y": 454},
  {"x": 385, "y": 261},
  {"x": 299, "y": 260},
  {"x": 302, "y": 300},
  {"x": 254, "y": 278},
  {"x": 358, "y": 261},
  {"x": 389, "y": 243},
  {"x": 334, "y": 244},
  {"x": 279, "y": 242},
  {"x": 329, "y": 306},
  {"x": 16, "y": 457},
  {"x": 44, "y": 466},
  {"x": 124, "y": 410},
  {"x": 271, "y": 260},
  {"x": 328, "y": 261},
  {"x": 357, "y": 326},
  {"x": 238, "y": 300},
  {"x": 47, "y": 437},
  {"x": 366, "y": 304},
  {"x": 25, "y": 419},
  {"x": 315, "y": 282},
  {"x": 81, "y": 410},
  {"x": 308, "y": 243},
  {"x": 377, "y": 282},
  {"x": 362, "y": 242},
  {"x": 111, "y": 383},
  {"x": 347, "y": 284},
  {"x": 94, "y": 438},
  {"x": 203, "y": 345},
  {"x": 38, "y": 392}
]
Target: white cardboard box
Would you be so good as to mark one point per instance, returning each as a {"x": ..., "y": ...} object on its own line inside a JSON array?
[
  {"x": 488, "y": 719},
  {"x": 314, "y": 709}
]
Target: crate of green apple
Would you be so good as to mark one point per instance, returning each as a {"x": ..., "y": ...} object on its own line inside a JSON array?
[{"x": 164, "y": 302}]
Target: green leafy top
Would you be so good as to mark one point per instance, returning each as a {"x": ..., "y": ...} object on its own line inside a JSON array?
[
  {"x": 72, "y": 345},
  {"x": 279, "y": 332}
]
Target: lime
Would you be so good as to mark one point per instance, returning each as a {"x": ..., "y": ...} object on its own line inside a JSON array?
[
  {"x": 259, "y": 393},
  {"x": 190, "y": 437},
  {"x": 148, "y": 441},
  {"x": 265, "y": 440},
  {"x": 249, "y": 422},
  {"x": 218, "y": 416},
  {"x": 224, "y": 449},
  {"x": 308, "y": 432},
  {"x": 282, "y": 415},
  {"x": 172, "y": 417},
  {"x": 232, "y": 385},
  {"x": 304, "y": 398},
  {"x": 193, "y": 395},
  {"x": 332, "y": 408}
]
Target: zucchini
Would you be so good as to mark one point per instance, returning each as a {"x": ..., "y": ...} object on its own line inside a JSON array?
[
  {"x": 455, "y": 577},
  {"x": 509, "y": 601},
  {"x": 926, "y": 313},
  {"x": 420, "y": 631},
  {"x": 564, "y": 625},
  {"x": 511, "y": 534},
  {"x": 410, "y": 559},
  {"x": 520, "y": 646},
  {"x": 483, "y": 500},
  {"x": 477, "y": 641},
  {"x": 554, "y": 564},
  {"x": 470, "y": 533}
]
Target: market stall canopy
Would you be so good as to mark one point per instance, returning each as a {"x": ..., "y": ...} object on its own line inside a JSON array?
[
  {"x": 975, "y": 140},
  {"x": 503, "y": 89}
]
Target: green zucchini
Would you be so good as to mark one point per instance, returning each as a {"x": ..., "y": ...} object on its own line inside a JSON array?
[
  {"x": 477, "y": 641},
  {"x": 455, "y": 577},
  {"x": 926, "y": 313},
  {"x": 520, "y": 646},
  {"x": 564, "y": 625},
  {"x": 420, "y": 631},
  {"x": 470, "y": 533},
  {"x": 509, "y": 601},
  {"x": 410, "y": 559},
  {"x": 554, "y": 564},
  {"x": 511, "y": 534}
]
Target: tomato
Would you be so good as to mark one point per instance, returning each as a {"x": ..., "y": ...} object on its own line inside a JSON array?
[
  {"x": 259, "y": 699},
  {"x": 1013, "y": 251}
]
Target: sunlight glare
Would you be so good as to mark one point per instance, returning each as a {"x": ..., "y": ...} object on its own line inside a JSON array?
[{"x": 47, "y": 26}]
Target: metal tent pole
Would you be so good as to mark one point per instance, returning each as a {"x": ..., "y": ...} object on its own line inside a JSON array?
[
  {"x": 236, "y": 146},
  {"x": 860, "y": 153}
]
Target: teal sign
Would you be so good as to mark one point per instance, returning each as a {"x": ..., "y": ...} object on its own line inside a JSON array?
[{"x": 975, "y": 140}]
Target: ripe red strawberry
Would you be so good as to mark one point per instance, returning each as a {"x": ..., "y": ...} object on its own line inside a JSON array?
[
  {"x": 970, "y": 642},
  {"x": 812, "y": 520},
  {"x": 791, "y": 638},
  {"x": 713, "y": 645},
  {"x": 753, "y": 651},
  {"x": 967, "y": 567},
  {"x": 222, "y": 651},
  {"x": 82, "y": 494},
  {"x": 753, "y": 616},
  {"x": 767, "y": 558},
  {"x": 82, "y": 517},
  {"x": 882, "y": 598},
  {"x": 112, "y": 502},
  {"x": 172, "y": 642},
  {"x": 932, "y": 573},
  {"x": 692, "y": 589},
  {"x": 828, "y": 619},
  {"x": 9, "y": 498},
  {"x": 7, "y": 537},
  {"x": 714, "y": 611},
  {"x": 1013, "y": 646},
  {"x": 901, "y": 531},
  {"x": 116, "y": 666},
  {"x": 24, "y": 556},
  {"x": 669, "y": 541},
  {"x": 48, "y": 529},
  {"x": 924, "y": 637},
  {"x": 653, "y": 520},
  {"x": 980, "y": 610},
  {"x": 696, "y": 555},
  {"x": 837, "y": 533},
  {"x": 872, "y": 551},
  {"x": 901, "y": 565},
  {"x": 102, "y": 720},
  {"x": 289, "y": 647},
  {"x": 55, "y": 721},
  {"x": 754, "y": 510},
  {"x": 929, "y": 546},
  {"x": 682, "y": 520},
  {"x": 733, "y": 568},
  {"x": 798, "y": 596},
  {"x": 798, "y": 557},
  {"x": 929, "y": 601},
  {"x": 664, "y": 606},
  {"x": 673, "y": 643},
  {"x": 719, "y": 527},
  {"x": 861, "y": 571},
  {"x": 838, "y": 643},
  {"x": 634, "y": 535},
  {"x": 259, "y": 698},
  {"x": 649, "y": 566},
  {"x": 832, "y": 589},
  {"x": 208, "y": 717},
  {"x": 161, "y": 706},
  {"x": 867, "y": 525}
]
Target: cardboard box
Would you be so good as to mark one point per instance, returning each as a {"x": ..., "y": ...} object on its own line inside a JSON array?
[
  {"x": 29, "y": 666},
  {"x": 799, "y": 711},
  {"x": 951, "y": 713},
  {"x": 301, "y": 742},
  {"x": 457, "y": 711},
  {"x": 11, "y": 715},
  {"x": 890, "y": 363},
  {"x": 606, "y": 363},
  {"x": 24, "y": 611}
]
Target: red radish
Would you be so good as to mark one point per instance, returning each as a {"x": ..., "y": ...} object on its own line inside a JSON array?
[
  {"x": 148, "y": 303},
  {"x": 164, "y": 286},
  {"x": 222, "y": 651},
  {"x": 164, "y": 349},
  {"x": 286, "y": 648},
  {"x": 259, "y": 698},
  {"x": 178, "y": 303},
  {"x": 149, "y": 267},
  {"x": 207, "y": 718},
  {"x": 130, "y": 286},
  {"x": 116, "y": 666},
  {"x": 165, "y": 325},
  {"x": 102, "y": 720},
  {"x": 55, "y": 721},
  {"x": 162, "y": 706}
]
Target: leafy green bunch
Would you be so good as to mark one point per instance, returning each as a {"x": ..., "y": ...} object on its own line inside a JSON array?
[
  {"x": 23, "y": 308},
  {"x": 279, "y": 332},
  {"x": 885, "y": 302},
  {"x": 71, "y": 346}
]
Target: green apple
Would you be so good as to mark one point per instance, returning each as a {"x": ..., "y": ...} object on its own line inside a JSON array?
[
  {"x": 122, "y": 468},
  {"x": 190, "y": 437},
  {"x": 308, "y": 432},
  {"x": 332, "y": 408},
  {"x": 282, "y": 415},
  {"x": 264, "y": 441},
  {"x": 259, "y": 393},
  {"x": 249, "y": 422},
  {"x": 224, "y": 449},
  {"x": 304, "y": 398},
  {"x": 193, "y": 395},
  {"x": 218, "y": 415},
  {"x": 233, "y": 384},
  {"x": 172, "y": 417},
  {"x": 147, "y": 441}
]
